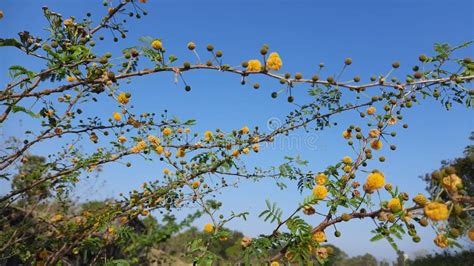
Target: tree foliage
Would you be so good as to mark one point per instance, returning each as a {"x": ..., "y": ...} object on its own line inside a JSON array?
[{"x": 41, "y": 224}]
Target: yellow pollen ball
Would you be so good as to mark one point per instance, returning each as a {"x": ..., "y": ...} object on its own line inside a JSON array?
[
  {"x": 371, "y": 110},
  {"x": 321, "y": 179},
  {"x": 208, "y": 228},
  {"x": 436, "y": 211},
  {"x": 394, "y": 205},
  {"x": 319, "y": 236},
  {"x": 274, "y": 62},
  {"x": 320, "y": 192},
  {"x": 117, "y": 116},
  {"x": 254, "y": 66},
  {"x": 374, "y": 181},
  {"x": 167, "y": 131},
  {"x": 157, "y": 45},
  {"x": 376, "y": 144}
]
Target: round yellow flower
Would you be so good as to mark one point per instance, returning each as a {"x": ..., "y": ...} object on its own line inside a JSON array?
[
  {"x": 68, "y": 22},
  {"x": 71, "y": 78},
  {"x": 159, "y": 149},
  {"x": 236, "y": 153},
  {"x": 153, "y": 139},
  {"x": 117, "y": 116},
  {"x": 347, "y": 160},
  {"x": 274, "y": 62},
  {"x": 441, "y": 241},
  {"x": 122, "y": 139},
  {"x": 181, "y": 152},
  {"x": 254, "y": 66},
  {"x": 321, "y": 179},
  {"x": 374, "y": 181},
  {"x": 245, "y": 150},
  {"x": 452, "y": 182},
  {"x": 346, "y": 134},
  {"x": 374, "y": 133},
  {"x": 392, "y": 121},
  {"x": 347, "y": 168},
  {"x": 256, "y": 147},
  {"x": 320, "y": 192},
  {"x": 167, "y": 131},
  {"x": 122, "y": 98},
  {"x": 208, "y": 135},
  {"x": 470, "y": 234},
  {"x": 57, "y": 218},
  {"x": 371, "y": 110},
  {"x": 246, "y": 241},
  {"x": 244, "y": 130},
  {"x": 208, "y": 228},
  {"x": 395, "y": 205},
  {"x": 166, "y": 171},
  {"x": 157, "y": 45},
  {"x": 319, "y": 236},
  {"x": 196, "y": 184},
  {"x": 274, "y": 263},
  {"x": 420, "y": 199},
  {"x": 436, "y": 211},
  {"x": 376, "y": 144}
]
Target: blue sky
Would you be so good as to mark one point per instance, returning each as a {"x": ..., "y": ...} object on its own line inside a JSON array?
[{"x": 304, "y": 33}]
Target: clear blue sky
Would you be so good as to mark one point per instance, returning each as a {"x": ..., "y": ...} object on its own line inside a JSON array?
[{"x": 304, "y": 33}]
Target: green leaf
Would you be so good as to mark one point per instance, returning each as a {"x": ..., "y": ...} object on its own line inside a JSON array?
[
  {"x": 16, "y": 108},
  {"x": 10, "y": 42}
]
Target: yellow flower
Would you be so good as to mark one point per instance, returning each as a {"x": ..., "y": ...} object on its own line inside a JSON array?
[
  {"x": 159, "y": 149},
  {"x": 374, "y": 181},
  {"x": 140, "y": 146},
  {"x": 187, "y": 130},
  {"x": 322, "y": 253},
  {"x": 452, "y": 182},
  {"x": 153, "y": 139},
  {"x": 392, "y": 121},
  {"x": 181, "y": 152},
  {"x": 347, "y": 168},
  {"x": 236, "y": 153},
  {"x": 274, "y": 62},
  {"x": 321, "y": 179},
  {"x": 122, "y": 139},
  {"x": 395, "y": 205},
  {"x": 208, "y": 228},
  {"x": 347, "y": 160},
  {"x": 436, "y": 211},
  {"x": 254, "y": 66},
  {"x": 245, "y": 150},
  {"x": 68, "y": 22},
  {"x": 371, "y": 110},
  {"x": 319, "y": 236},
  {"x": 71, "y": 78},
  {"x": 441, "y": 241},
  {"x": 320, "y": 192},
  {"x": 57, "y": 218},
  {"x": 122, "y": 98},
  {"x": 470, "y": 234},
  {"x": 196, "y": 184},
  {"x": 117, "y": 116},
  {"x": 374, "y": 133},
  {"x": 166, "y": 171},
  {"x": 420, "y": 199},
  {"x": 274, "y": 263},
  {"x": 167, "y": 131},
  {"x": 346, "y": 134},
  {"x": 246, "y": 241},
  {"x": 208, "y": 135},
  {"x": 244, "y": 130},
  {"x": 256, "y": 147},
  {"x": 376, "y": 144},
  {"x": 157, "y": 45}
]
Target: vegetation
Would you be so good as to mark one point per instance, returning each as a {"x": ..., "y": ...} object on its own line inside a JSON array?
[{"x": 41, "y": 224}]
